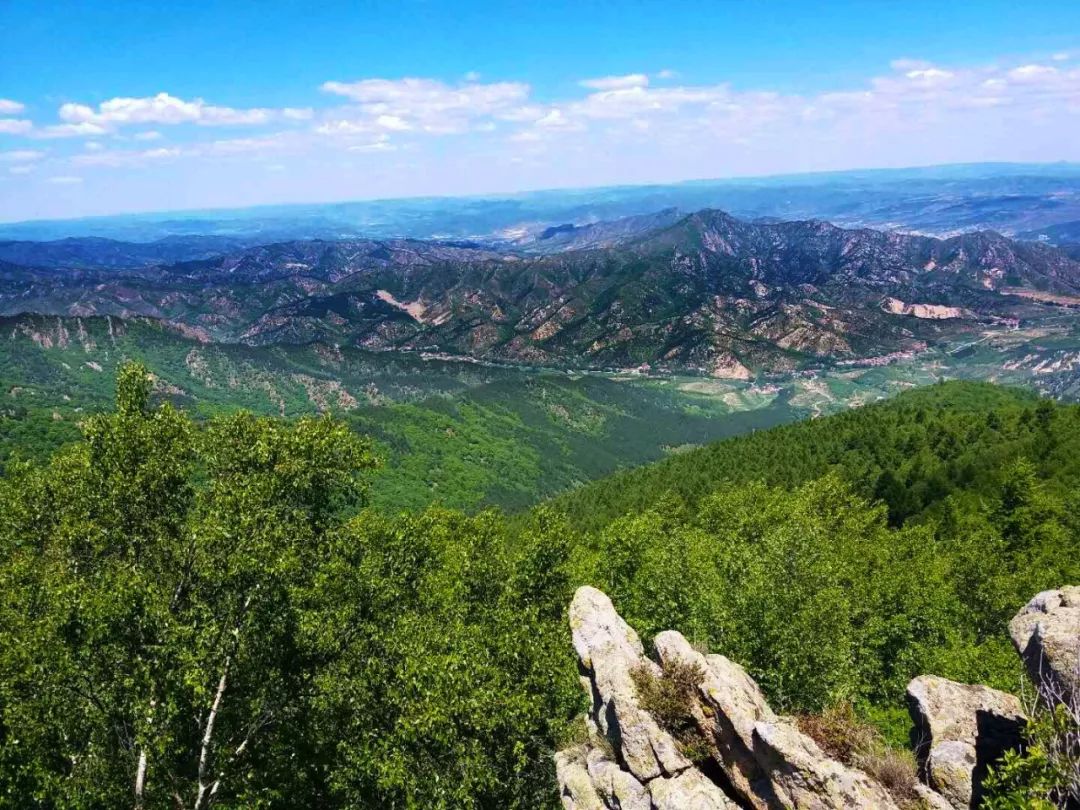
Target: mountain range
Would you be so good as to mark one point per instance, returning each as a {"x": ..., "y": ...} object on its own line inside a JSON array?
[{"x": 705, "y": 293}]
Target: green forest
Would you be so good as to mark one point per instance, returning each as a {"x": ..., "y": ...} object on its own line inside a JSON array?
[
  {"x": 216, "y": 611},
  {"x": 464, "y": 435}
]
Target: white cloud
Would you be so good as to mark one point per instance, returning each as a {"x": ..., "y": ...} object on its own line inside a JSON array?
[
  {"x": 629, "y": 128},
  {"x": 116, "y": 158},
  {"x": 64, "y": 180},
  {"x": 555, "y": 119},
  {"x": 667, "y": 73},
  {"x": 21, "y": 169},
  {"x": 161, "y": 152},
  {"x": 345, "y": 127},
  {"x": 222, "y": 148},
  {"x": 10, "y": 107},
  {"x": 914, "y": 97},
  {"x": 380, "y": 144},
  {"x": 93, "y": 146},
  {"x": 238, "y": 146},
  {"x": 526, "y": 113},
  {"x": 422, "y": 105},
  {"x": 617, "y": 82},
  {"x": 929, "y": 74},
  {"x": 80, "y": 130},
  {"x": 1029, "y": 72},
  {"x": 630, "y": 102},
  {"x": 393, "y": 122},
  {"x": 166, "y": 109},
  {"x": 1061, "y": 56},
  {"x": 21, "y": 156},
  {"x": 15, "y": 126}
]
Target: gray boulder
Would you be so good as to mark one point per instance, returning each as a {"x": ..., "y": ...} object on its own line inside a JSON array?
[
  {"x": 803, "y": 776},
  {"x": 617, "y": 788},
  {"x": 767, "y": 760},
  {"x": 648, "y": 772},
  {"x": 690, "y": 790},
  {"x": 1046, "y": 633},
  {"x": 959, "y": 731},
  {"x": 575, "y": 785},
  {"x": 732, "y": 704}
]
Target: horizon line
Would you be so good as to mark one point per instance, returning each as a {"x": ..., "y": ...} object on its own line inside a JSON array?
[{"x": 504, "y": 195}]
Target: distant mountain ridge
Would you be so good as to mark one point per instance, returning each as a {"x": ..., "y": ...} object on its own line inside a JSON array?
[
  {"x": 92, "y": 252},
  {"x": 707, "y": 293},
  {"x": 606, "y": 233},
  {"x": 937, "y": 200}
]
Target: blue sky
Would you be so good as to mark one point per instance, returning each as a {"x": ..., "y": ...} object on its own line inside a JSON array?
[{"x": 122, "y": 106}]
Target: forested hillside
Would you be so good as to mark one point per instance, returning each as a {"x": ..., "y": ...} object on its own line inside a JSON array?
[
  {"x": 211, "y": 612},
  {"x": 460, "y": 434},
  {"x": 910, "y": 453}
]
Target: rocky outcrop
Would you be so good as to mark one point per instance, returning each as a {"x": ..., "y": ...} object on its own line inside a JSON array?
[
  {"x": 751, "y": 758},
  {"x": 732, "y": 705},
  {"x": 710, "y": 741},
  {"x": 802, "y": 775},
  {"x": 646, "y": 768},
  {"x": 608, "y": 651},
  {"x": 1046, "y": 633},
  {"x": 959, "y": 731}
]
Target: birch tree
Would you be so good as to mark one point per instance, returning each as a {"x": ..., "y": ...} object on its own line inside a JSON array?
[{"x": 152, "y": 581}]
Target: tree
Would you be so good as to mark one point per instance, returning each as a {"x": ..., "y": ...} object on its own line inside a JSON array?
[
  {"x": 455, "y": 677},
  {"x": 153, "y": 581}
]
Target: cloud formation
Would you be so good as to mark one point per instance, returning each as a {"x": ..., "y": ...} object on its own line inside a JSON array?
[
  {"x": 15, "y": 126},
  {"x": 616, "y": 82},
  {"x": 374, "y": 136},
  {"x": 165, "y": 109},
  {"x": 914, "y": 94},
  {"x": 424, "y": 105}
]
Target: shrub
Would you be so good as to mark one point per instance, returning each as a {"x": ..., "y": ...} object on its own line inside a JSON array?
[
  {"x": 844, "y": 737},
  {"x": 1046, "y": 774},
  {"x": 671, "y": 699}
]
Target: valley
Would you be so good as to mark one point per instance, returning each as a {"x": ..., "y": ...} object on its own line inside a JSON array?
[{"x": 467, "y": 434}]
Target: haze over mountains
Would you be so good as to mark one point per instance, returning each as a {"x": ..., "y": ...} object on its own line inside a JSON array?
[{"x": 942, "y": 200}]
